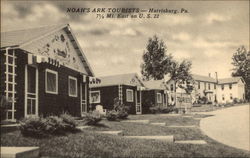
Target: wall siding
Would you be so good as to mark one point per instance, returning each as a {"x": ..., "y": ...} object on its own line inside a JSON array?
[{"x": 61, "y": 102}]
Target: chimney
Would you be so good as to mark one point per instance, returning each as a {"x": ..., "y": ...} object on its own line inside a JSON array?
[
  {"x": 209, "y": 75},
  {"x": 216, "y": 77}
]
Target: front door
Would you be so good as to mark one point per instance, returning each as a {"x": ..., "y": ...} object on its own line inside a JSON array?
[
  {"x": 83, "y": 103},
  {"x": 138, "y": 102},
  {"x": 31, "y": 91}
]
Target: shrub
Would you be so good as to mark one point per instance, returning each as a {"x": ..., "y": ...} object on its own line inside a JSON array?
[
  {"x": 69, "y": 121},
  {"x": 168, "y": 109},
  {"x": 55, "y": 125},
  {"x": 42, "y": 127},
  {"x": 120, "y": 111},
  {"x": 4, "y": 103},
  {"x": 112, "y": 115},
  {"x": 34, "y": 127},
  {"x": 154, "y": 109},
  {"x": 92, "y": 118}
]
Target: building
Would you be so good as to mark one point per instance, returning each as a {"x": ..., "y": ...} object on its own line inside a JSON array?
[
  {"x": 219, "y": 90},
  {"x": 127, "y": 88},
  {"x": 155, "y": 94},
  {"x": 43, "y": 71}
]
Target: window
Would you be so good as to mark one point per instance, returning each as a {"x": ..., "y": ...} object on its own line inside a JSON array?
[
  {"x": 95, "y": 97},
  {"x": 159, "y": 98},
  {"x": 222, "y": 87},
  {"x": 231, "y": 96},
  {"x": 72, "y": 88},
  {"x": 129, "y": 95},
  {"x": 230, "y": 86},
  {"x": 223, "y": 98},
  {"x": 199, "y": 85},
  {"x": 51, "y": 82},
  {"x": 172, "y": 87},
  {"x": 209, "y": 86},
  {"x": 214, "y": 86}
]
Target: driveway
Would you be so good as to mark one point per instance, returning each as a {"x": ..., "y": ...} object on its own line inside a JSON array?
[{"x": 229, "y": 126}]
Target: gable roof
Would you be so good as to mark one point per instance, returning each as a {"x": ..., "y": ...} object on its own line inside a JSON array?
[
  {"x": 230, "y": 80},
  {"x": 20, "y": 38},
  {"x": 203, "y": 78},
  {"x": 155, "y": 84},
  {"x": 124, "y": 79}
]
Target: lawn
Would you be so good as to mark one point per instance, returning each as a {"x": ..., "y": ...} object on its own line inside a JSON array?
[{"x": 90, "y": 144}]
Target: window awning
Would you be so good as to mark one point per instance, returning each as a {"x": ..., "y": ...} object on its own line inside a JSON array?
[{"x": 37, "y": 59}]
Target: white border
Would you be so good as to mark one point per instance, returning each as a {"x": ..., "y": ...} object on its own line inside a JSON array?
[
  {"x": 75, "y": 79},
  {"x": 99, "y": 100},
  {"x": 56, "y": 73},
  {"x": 129, "y": 90},
  {"x": 158, "y": 101}
]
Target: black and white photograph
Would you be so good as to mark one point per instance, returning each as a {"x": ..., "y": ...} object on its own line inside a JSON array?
[{"x": 125, "y": 79}]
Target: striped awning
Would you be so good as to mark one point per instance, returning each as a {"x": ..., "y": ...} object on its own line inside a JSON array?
[
  {"x": 37, "y": 59},
  {"x": 94, "y": 80}
]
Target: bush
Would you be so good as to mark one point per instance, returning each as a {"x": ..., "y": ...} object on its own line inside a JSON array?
[
  {"x": 154, "y": 109},
  {"x": 34, "y": 127},
  {"x": 42, "y": 127},
  {"x": 55, "y": 125},
  {"x": 120, "y": 111},
  {"x": 92, "y": 118},
  {"x": 69, "y": 121},
  {"x": 112, "y": 115}
]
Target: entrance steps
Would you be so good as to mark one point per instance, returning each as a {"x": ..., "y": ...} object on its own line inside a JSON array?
[{"x": 19, "y": 152}]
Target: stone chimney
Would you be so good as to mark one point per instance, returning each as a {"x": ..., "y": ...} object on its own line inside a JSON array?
[{"x": 216, "y": 77}]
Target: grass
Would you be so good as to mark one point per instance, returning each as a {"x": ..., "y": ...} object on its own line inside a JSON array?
[{"x": 91, "y": 144}]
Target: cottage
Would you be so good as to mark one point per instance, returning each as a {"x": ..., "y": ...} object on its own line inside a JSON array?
[
  {"x": 155, "y": 94},
  {"x": 127, "y": 88},
  {"x": 43, "y": 71}
]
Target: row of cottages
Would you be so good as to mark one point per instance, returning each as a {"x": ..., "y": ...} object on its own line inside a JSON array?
[
  {"x": 219, "y": 90},
  {"x": 43, "y": 71},
  {"x": 127, "y": 88}
]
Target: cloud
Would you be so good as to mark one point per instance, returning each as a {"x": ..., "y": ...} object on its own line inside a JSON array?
[
  {"x": 183, "y": 36},
  {"x": 181, "y": 54},
  {"x": 213, "y": 17},
  {"x": 173, "y": 20},
  {"x": 126, "y": 32}
]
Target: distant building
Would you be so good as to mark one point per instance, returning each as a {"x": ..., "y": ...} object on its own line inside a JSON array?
[{"x": 219, "y": 90}]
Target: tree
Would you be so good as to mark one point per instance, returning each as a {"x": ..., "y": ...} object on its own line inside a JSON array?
[
  {"x": 181, "y": 74},
  {"x": 155, "y": 60},
  {"x": 157, "y": 63},
  {"x": 241, "y": 63}
]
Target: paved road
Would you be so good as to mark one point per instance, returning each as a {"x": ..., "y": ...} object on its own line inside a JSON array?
[{"x": 229, "y": 126}]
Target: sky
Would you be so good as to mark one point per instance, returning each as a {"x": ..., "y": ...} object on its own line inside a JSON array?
[{"x": 207, "y": 35}]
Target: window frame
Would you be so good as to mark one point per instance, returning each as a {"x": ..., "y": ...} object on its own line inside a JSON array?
[
  {"x": 158, "y": 94},
  {"x": 129, "y": 90},
  {"x": 72, "y": 78},
  {"x": 46, "y": 84},
  {"x": 230, "y": 85},
  {"x": 90, "y": 95}
]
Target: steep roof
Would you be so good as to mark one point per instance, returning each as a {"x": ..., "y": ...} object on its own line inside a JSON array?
[
  {"x": 203, "y": 78},
  {"x": 20, "y": 38},
  {"x": 126, "y": 79},
  {"x": 229, "y": 80},
  {"x": 155, "y": 84}
]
